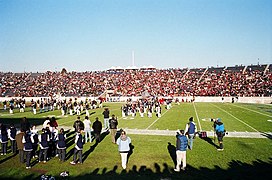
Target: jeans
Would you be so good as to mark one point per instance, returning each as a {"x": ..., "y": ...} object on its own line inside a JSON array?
[
  {"x": 191, "y": 140},
  {"x": 13, "y": 146},
  {"x": 4, "y": 148},
  {"x": 43, "y": 152},
  {"x": 79, "y": 153},
  {"x": 21, "y": 155},
  {"x": 28, "y": 158},
  {"x": 106, "y": 122},
  {"x": 88, "y": 133},
  {"x": 62, "y": 154}
]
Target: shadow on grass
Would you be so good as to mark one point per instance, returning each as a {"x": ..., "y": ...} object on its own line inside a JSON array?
[
  {"x": 210, "y": 141},
  {"x": 269, "y": 136},
  {"x": 172, "y": 152},
  {"x": 17, "y": 121},
  {"x": 257, "y": 169}
]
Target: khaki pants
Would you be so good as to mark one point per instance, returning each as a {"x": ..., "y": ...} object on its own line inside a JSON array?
[
  {"x": 113, "y": 134},
  {"x": 181, "y": 156}
]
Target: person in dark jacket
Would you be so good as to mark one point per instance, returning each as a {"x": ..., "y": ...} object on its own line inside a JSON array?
[
  {"x": 3, "y": 139},
  {"x": 181, "y": 147},
  {"x": 44, "y": 145},
  {"x": 12, "y": 133},
  {"x": 28, "y": 140},
  {"x": 113, "y": 127},
  {"x": 78, "y": 148},
  {"x": 20, "y": 145},
  {"x": 78, "y": 124},
  {"x": 106, "y": 114},
  {"x": 97, "y": 127},
  {"x": 61, "y": 145},
  {"x": 25, "y": 125}
]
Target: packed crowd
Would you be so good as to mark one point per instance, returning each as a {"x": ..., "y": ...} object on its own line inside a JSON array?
[{"x": 170, "y": 82}]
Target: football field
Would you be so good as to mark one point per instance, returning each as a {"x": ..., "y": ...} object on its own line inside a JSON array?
[{"x": 153, "y": 145}]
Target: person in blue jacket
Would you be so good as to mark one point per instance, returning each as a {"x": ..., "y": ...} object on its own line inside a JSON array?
[
  {"x": 27, "y": 141},
  {"x": 181, "y": 147},
  {"x": 61, "y": 145},
  {"x": 220, "y": 132},
  {"x": 78, "y": 148},
  {"x": 44, "y": 145},
  {"x": 3, "y": 139},
  {"x": 191, "y": 131}
]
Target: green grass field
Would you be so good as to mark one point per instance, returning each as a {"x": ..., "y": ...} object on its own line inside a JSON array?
[{"x": 153, "y": 156}]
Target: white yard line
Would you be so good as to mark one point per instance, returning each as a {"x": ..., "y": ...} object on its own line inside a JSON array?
[
  {"x": 251, "y": 110},
  {"x": 197, "y": 117},
  {"x": 156, "y": 120},
  {"x": 236, "y": 118}
]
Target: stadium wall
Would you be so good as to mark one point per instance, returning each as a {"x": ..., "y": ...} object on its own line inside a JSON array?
[{"x": 257, "y": 100}]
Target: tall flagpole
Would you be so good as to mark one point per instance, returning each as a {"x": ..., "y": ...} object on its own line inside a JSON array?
[{"x": 132, "y": 58}]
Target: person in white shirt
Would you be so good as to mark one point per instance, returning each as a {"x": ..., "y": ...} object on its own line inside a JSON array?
[{"x": 87, "y": 129}]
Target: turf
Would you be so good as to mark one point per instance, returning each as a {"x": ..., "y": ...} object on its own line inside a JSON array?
[{"x": 153, "y": 157}]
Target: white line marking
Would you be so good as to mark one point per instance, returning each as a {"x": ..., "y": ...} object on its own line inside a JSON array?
[
  {"x": 252, "y": 110},
  {"x": 197, "y": 117},
  {"x": 156, "y": 119},
  {"x": 236, "y": 118}
]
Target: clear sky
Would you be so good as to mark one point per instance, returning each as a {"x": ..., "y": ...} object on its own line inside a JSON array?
[{"x": 88, "y": 35}]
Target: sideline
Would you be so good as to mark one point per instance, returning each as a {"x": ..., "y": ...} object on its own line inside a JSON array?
[
  {"x": 173, "y": 133},
  {"x": 235, "y": 118},
  {"x": 251, "y": 110},
  {"x": 197, "y": 117}
]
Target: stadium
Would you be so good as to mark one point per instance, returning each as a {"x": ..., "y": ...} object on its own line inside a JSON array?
[
  {"x": 239, "y": 95},
  {"x": 146, "y": 90}
]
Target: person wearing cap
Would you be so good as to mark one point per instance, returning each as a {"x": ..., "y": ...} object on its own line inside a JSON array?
[
  {"x": 220, "y": 132},
  {"x": 191, "y": 130},
  {"x": 181, "y": 147}
]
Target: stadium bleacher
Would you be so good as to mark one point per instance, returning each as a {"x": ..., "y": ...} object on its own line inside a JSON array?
[{"x": 214, "y": 81}]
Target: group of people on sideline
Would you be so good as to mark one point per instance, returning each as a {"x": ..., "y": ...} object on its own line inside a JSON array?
[{"x": 52, "y": 140}]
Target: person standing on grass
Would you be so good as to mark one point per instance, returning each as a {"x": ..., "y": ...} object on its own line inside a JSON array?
[
  {"x": 78, "y": 124},
  {"x": 87, "y": 129},
  {"x": 181, "y": 147},
  {"x": 11, "y": 134},
  {"x": 113, "y": 127},
  {"x": 220, "y": 132},
  {"x": 191, "y": 131},
  {"x": 106, "y": 114},
  {"x": 123, "y": 143},
  {"x": 20, "y": 145},
  {"x": 97, "y": 127},
  {"x": 28, "y": 140},
  {"x": 78, "y": 148},
  {"x": 61, "y": 145},
  {"x": 3, "y": 139},
  {"x": 44, "y": 145}
]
